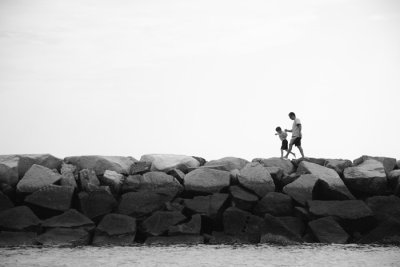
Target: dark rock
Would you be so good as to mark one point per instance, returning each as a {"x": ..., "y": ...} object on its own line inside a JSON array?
[
  {"x": 53, "y": 197},
  {"x": 5, "y": 202},
  {"x": 242, "y": 199},
  {"x": 140, "y": 167},
  {"x": 345, "y": 209},
  {"x": 301, "y": 190},
  {"x": 178, "y": 174},
  {"x": 139, "y": 204},
  {"x": 330, "y": 186},
  {"x": 17, "y": 239},
  {"x": 9, "y": 169},
  {"x": 97, "y": 203},
  {"x": 273, "y": 230},
  {"x": 26, "y": 161},
  {"x": 338, "y": 164},
  {"x": 388, "y": 163},
  {"x": 218, "y": 238},
  {"x": 210, "y": 205},
  {"x": 69, "y": 219},
  {"x": 201, "y": 160},
  {"x": 274, "y": 203},
  {"x": 294, "y": 224},
  {"x": 369, "y": 177},
  {"x": 88, "y": 180},
  {"x": 277, "y": 176},
  {"x": 115, "y": 229},
  {"x": 102, "y": 163},
  {"x": 174, "y": 206},
  {"x": 286, "y": 165},
  {"x": 64, "y": 237},
  {"x": 193, "y": 227},
  {"x": 68, "y": 175},
  {"x": 387, "y": 232},
  {"x": 175, "y": 240},
  {"x": 227, "y": 163},
  {"x": 393, "y": 178},
  {"x": 160, "y": 221},
  {"x": 204, "y": 180},
  {"x": 256, "y": 178},
  {"x": 302, "y": 214},
  {"x": 112, "y": 179},
  {"x": 37, "y": 177},
  {"x": 18, "y": 218},
  {"x": 327, "y": 230},
  {"x": 385, "y": 207},
  {"x": 167, "y": 162}
]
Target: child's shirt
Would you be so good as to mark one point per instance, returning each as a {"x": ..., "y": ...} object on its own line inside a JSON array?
[{"x": 282, "y": 135}]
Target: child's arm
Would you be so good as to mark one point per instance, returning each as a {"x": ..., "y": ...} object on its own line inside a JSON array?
[{"x": 286, "y": 130}]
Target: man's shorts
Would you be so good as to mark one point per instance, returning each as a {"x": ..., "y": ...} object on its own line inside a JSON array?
[
  {"x": 296, "y": 141},
  {"x": 284, "y": 144}
]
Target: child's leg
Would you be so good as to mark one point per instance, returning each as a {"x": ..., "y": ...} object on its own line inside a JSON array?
[
  {"x": 281, "y": 153},
  {"x": 294, "y": 155}
]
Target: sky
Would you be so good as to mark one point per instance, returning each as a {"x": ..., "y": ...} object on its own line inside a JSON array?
[{"x": 201, "y": 78}]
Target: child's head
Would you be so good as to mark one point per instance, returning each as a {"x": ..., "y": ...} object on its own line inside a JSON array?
[{"x": 278, "y": 129}]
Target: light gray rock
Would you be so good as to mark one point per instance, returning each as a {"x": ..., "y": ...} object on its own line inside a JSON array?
[
  {"x": 338, "y": 164},
  {"x": 369, "y": 177},
  {"x": 205, "y": 180},
  {"x": 53, "y": 197},
  {"x": 68, "y": 175},
  {"x": 301, "y": 189},
  {"x": 327, "y": 230},
  {"x": 345, "y": 209},
  {"x": 113, "y": 179},
  {"x": 167, "y": 162},
  {"x": 388, "y": 163},
  {"x": 256, "y": 178},
  {"x": 226, "y": 163},
  {"x": 37, "y": 177},
  {"x": 286, "y": 165},
  {"x": 18, "y": 218},
  {"x": 100, "y": 164}
]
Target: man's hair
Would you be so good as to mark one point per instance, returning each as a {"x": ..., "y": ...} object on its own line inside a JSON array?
[
  {"x": 292, "y": 114},
  {"x": 278, "y": 129}
]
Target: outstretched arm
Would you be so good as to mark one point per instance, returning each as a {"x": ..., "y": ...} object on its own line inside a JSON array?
[{"x": 286, "y": 130}]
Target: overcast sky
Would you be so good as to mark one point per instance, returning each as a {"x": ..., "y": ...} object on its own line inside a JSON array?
[{"x": 205, "y": 78}]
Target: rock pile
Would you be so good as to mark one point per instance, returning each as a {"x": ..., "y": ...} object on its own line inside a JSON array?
[{"x": 178, "y": 199}]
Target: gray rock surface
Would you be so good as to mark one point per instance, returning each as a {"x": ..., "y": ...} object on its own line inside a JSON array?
[
  {"x": 256, "y": 178},
  {"x": 167, "y": 162},
  {"x": 69, "y": 219},
  {"x": 210, "y": 206},
  {"x": 273, "y": 230},
  {"x": 274, "y": 203},
  {"x": 37, "y": 177},
  {"x": 53, "y": 197},
  {"x": 286, "y": 165},
  {"x": 193, "y": 227},
  {"x": 102, "y": 163},
  {"x": 345, "y": 209},
  {"x": 64, "y": 237},
  {"x": 5, "y": 202},
  {"x": 139, "y": 204},
  {"x": 227, "y": 163},
  {"x": 113, "y": 179},
  {"x": 18, "y": 219},
  {"x": 327, "y": 230},
  {"x": 301, "y": 190},
  {"x": 17, "y": 239},
  {"x": 115, "y": 229},
  {"x": 388, "y": 163},
  {"x": 204, "y": 180},
  {"x": 338, "y": 164},
  {"x": 68, "y": 175},
  {"x": 242, "y": 199},
  {"x": 385, "y": 207},
  {"x": 97, "y": 203},
  {"x": 160, "y": 221}
]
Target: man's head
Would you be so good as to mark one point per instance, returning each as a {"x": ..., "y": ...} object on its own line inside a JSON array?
[
  {"x": 292, "y": 116},
  {"x": 278, "y": 129}
]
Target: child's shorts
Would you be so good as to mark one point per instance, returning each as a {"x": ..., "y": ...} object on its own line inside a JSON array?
[{"x": 284, "y": 145}]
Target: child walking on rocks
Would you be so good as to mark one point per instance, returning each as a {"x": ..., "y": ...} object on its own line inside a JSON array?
[{"x": 283, "y": 135}]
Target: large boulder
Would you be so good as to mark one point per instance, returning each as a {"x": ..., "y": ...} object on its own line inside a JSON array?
[
  {"x": 69, "y": 219},
  {"x": 385, "y": 207},
  {"x": 205, "y": 180},
  {"x": 242, "y": 199},
  {"x": 97, "y": 203},
  {"x": 68, "y": 175},
  {"x": 37, "y": 177},
  {"x": 369, "y": 177},
  {"x": 140, "y": 204},
  {"x": 210, "y": 206},
  {"x": 5, "y": 202},
  {"x": 345, "y": 209},
  {"x": 226, "y": 164},
  {"x": 112, "y": 179},
  {"x": 88, "y": 180},
  {"x": 167, "y": 162},
  {"x": 330, "y": 184},
  {"x": 256, "y": 178},
  {"x": 18, "y": 218},
  {"x": 115, "y": 229},
  {"x": 175, "y": 240},
  {"x": 140, "y": 167},
  {"x": 193, "y": 227},
  {"x": 100, "y": 164},
  {"x": 301, "y": 190},
  {"x": 273, "y": 230},
  {"x": 388, "y": 163},
  {"x": 160, "y": 221},
  {"x": 338, "y": 164},
  {"x": 17, "y": 239},
  {"x": 157, "y": 182},
  {"x": 327, "y": 230},
  {"x": 274, "y": 203},
  {"x": 286, "y": 165},
  {"x": 52, "y": 197},
  {"x": 64, "y": 237}
]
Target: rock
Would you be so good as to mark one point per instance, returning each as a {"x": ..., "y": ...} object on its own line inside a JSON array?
[
  {"x": 157, "y": 182},
  {"x": 226, "y": 164},
  {"x": 115, "y": 229},
  {"x": 64, "y": 237},
  {"x": 303, "y": 214},
  {"x": 160, "y": 221},
  {"x": 97, "y": 203},
  {"x": 301, "y": 189},
  {"x": 398, "y": 164},
  {"x": 167, "y": 162},
  {"x": 318, "y": 161},
  {"x": 37, "y": 177},
  {"x": 9, "y": 169},
  {"x": 17, "y": 239},
  {"x": 174, "y": 206},
  {"x": 385, "y": 207},
  {"x": 274, "y": 203},
  {"x": 26, "y": 161},
  {"x": 178, "y": 174},
  {"x": 69, "y": 219},
  {"x": 388, "y": 163},
  {"x": 338, "y": 164},
  {"x": 53, "y": 197},
  {"x": 369, "y": 177},
  {"x": 387, "y": 233},
  {"x": 113, "y": 179},
  {"x": 256, "y": 178},
  {"x": 286, "y": 165},
  {"x": 193, "y": 227},
  {"x": 210, "y": 206},
  {"x": 242, "y": 223},
  {"x": 274, "y": 231},
  {"x": 175, "y": 240},
  {"x": 204, "y": 180},
  {"x": 5, "y": 202},
  {"x": 18, "y": 218},
  {"x": 88, "y": 180},
  {"x": 294, "y": 224},
  {"x": 393, "y": 178},
  {"x": 330, "y": 185},
  {"x": 139, "y": 204},
  {"x": 140, "y": 167},
  {"x": 327, "y": 230},
  {"x": 201, "y": 160},
  {"x": 68, "y": 175},
  {"x": 277, "y": 176},
  {"x": 242, "y": 199},
  {"x": 345, "y": 209},
  {"x": 102, "y": 163}
]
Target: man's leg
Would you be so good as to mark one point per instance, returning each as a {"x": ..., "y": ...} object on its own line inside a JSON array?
[
  {"x": 290, "y": 148},
  {"x": 301, "y": 151}
]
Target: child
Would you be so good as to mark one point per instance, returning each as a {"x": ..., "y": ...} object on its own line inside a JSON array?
[{"x": 282, "y": 136}]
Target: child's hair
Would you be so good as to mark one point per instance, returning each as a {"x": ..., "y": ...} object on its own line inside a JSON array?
[{"x": 278, "y": 129}]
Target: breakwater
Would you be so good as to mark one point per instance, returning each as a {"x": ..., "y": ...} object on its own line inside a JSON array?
[{"x": 176, "y": 199}]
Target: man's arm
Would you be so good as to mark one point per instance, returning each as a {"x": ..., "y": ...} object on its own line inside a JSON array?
[
  {"x": 300, "y": 127},
  {"x": 286, "y": 130}
]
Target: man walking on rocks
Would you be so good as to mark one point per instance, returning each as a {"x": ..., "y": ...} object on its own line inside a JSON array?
[{"x": 296, "y": 135}]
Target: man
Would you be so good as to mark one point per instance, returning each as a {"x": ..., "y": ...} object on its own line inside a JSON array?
[{"x": 296, "y": 135}]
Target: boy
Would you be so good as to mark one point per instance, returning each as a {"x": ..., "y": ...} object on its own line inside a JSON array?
[{"x": 282, "y": 136}]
